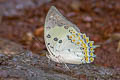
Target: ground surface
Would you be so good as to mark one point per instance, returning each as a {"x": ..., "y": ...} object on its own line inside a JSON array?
[{"x": 100, "y": 20}]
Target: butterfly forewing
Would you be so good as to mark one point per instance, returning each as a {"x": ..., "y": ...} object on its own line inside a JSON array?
[{"x": 54, "y": 17}]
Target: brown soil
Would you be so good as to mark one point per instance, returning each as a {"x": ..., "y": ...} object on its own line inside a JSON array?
[{"x": 98, "y": 19}]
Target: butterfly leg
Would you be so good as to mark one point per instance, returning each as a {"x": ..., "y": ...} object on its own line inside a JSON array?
[
  {"x": 48, "y": 58},
  {"x": 66, "y": 66}
]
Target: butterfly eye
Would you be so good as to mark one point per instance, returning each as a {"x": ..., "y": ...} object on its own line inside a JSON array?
[
  {"x": 48, "y": 36},
  {"x": 55, "y": 39},
  {"x": 60, "y": 41}
]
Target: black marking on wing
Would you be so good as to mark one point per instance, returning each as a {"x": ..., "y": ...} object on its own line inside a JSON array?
[
  {"x": 48, "y": 43},
  {"x": 48, "y": 36},
  {"x": 60, "y": 41},
  {"x": 50, "y": 51},
  {"x": 55, "y": 39}
]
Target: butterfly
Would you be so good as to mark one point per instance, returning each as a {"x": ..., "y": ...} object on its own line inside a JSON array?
[{"x": 64, "y": 41}]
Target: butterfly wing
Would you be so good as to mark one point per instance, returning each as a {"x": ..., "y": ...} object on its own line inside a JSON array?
[
  {"x": 54, "y": 17},
  {"x": 63, "y": 40}
]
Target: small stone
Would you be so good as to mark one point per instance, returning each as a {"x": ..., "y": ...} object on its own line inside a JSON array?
[
  {"x": 87, "y": 19},
  {"x": 88, "y": 25},
  {"x": 75, "y": 5}
]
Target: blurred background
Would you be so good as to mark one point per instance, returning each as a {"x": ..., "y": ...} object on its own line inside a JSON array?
[{"x": 22, "y": 21}]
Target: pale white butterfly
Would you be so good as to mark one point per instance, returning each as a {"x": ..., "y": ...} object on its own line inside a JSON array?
[{"x": 64, "y": 41}]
